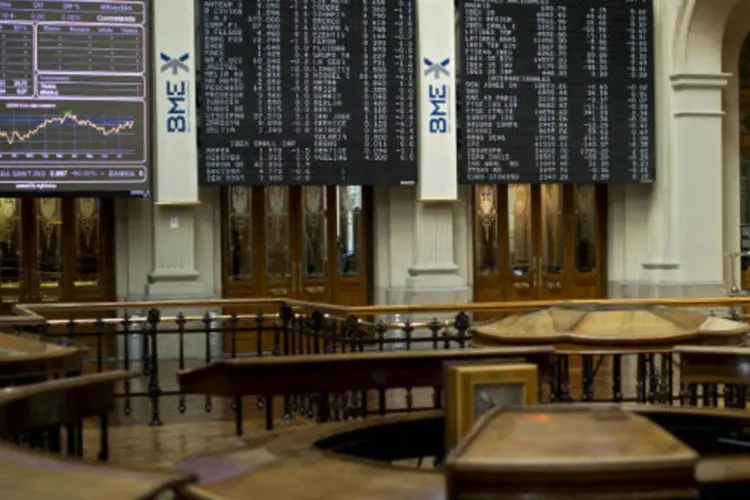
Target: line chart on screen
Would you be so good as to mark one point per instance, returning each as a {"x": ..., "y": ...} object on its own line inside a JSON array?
[{"x": 73, "y": 132}]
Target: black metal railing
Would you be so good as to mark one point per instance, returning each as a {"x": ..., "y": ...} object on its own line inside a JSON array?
[{"x": 139, "y": 342}]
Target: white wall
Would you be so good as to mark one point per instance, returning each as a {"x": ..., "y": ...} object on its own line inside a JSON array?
[{"x": 137, "y": 220}]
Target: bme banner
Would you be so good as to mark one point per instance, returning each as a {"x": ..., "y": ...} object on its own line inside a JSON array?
[
  {"x": 436, "y": 105},
  {"x": 175, "y": 142}
]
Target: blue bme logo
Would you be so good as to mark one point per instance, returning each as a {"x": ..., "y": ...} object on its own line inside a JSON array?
[
  {"x": 437, "y": 94},
  {"x": 177, "y": 93}
]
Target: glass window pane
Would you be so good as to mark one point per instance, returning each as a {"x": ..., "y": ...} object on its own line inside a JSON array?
[
  {"x": 240, "y": 225},
  {"x": 745, "y": 206},
  {"x": 11, "y": 248},
  {"x": 278, "y": 237},
  {"x": 349, "y": 229},
  {"x": 486, "y": 243},
  {"x": 553, "y": 224},
  {"x": 49, "y": 243},
  {"x": 585, "y": 228},
  {"x": 520, "y": 240},
  {"x": 87, "y": 231},
  {"x": 315, "y": 244}
]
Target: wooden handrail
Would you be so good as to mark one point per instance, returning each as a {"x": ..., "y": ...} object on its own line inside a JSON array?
[
  {"x": 342, "y": 371},
  {"x": 23, "y": 408},
  {"x": 26, "y": 474},
  {"x": 31, "y": 312}
]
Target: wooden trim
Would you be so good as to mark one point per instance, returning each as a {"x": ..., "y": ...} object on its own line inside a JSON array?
[{"x": 377, "y": 370}]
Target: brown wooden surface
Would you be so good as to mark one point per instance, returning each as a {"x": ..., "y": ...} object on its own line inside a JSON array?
[
  {"x": 646, "y": 327},
  {"x": 568, "y": 440},
  {"x": 286, "y": 465},
  {"x": 27, "y": 476},
  {"x": 714, "y": 364},
  {"x": 29, "y": 356},
  {"x": 594, "y": 452},
  {"x": 24, "y": 408},
  {"x": 340, "y": 372}
]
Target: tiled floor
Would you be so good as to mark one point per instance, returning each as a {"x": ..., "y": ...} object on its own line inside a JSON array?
[
  {"x": 134, "y": 443},
  {"x": 197, "y": 431}
]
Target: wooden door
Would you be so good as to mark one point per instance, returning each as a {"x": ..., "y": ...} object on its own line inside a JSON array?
[
  {"x": 538, "y": 242},
  {"x": 308, "y": 243},
  {"x": 57, "y": 250}
]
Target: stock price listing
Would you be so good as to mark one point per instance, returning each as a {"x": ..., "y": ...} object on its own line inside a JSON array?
[{"x": 73, "y": 96}]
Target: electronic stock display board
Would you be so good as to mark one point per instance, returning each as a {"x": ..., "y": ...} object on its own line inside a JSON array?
[
  {"x": 73, "y": 96},
  {"x": 297, "y": 92},
  {"x": 556, "y": 91}
]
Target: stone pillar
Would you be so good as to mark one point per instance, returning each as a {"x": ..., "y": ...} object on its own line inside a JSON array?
[
  {"x": 434, "y": 274},
  {"x": 174, "y": 267},
  {"x": 175, "y": 275},
  {"x": 697, "y": 171}
]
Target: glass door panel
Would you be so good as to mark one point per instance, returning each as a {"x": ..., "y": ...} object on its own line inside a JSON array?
[
  {"x": 586, "y": 245},
  {"x": 279, "y": 274},
  {"x": 585, "y": 234},
  {"x": 522, "y": 251},
  {"x": 239, "y": 235},
  {"x": 12, "y": 276},
  {"x": 349, "y": 231},
  {"x": 350, "y": 246},
  {"x": 48, "y": 272},
  {"x": 313, "y": 275},
  {"x": 87, "y": 260},
  {"x": 552, "y": 267},
  {"x": 486, "y": 245}
]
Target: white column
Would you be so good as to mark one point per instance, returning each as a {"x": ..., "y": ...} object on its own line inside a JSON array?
[
  {"x": 434, "y": 275},
  {"x": 174, "y": 245},
  {"x": 698, "y": 176}
]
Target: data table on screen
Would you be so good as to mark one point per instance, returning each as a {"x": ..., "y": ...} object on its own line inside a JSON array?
[
  {"x": 556, "y": 91},
  {"x": 73, "y": 96},
  {"x": 307, "y": 92}
]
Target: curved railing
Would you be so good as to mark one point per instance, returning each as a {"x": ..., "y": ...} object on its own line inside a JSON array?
[{"x": 143, "y": 336}]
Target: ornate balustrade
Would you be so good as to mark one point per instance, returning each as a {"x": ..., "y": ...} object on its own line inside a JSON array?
[{"x": 158, "y": 340}]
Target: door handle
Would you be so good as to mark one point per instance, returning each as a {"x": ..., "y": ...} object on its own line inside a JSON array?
[{"x": 554, "y": 285}]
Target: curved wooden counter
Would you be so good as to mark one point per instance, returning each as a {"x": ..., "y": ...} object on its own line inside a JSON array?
[
  {"x": 610, "y": 330},
  {"x": 584, "y": 449},
  {"x": 287, "y": 465},
  {"x": 27, "y": 475},
  {"x": 23, "y": 356}
]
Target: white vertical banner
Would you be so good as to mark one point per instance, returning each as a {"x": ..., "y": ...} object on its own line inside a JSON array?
[
  {"x": 436, "y": 102},
  {"x": 175, "y": 143}
]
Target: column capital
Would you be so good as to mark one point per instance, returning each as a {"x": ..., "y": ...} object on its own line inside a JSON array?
[{"x": 699, "y": 81}]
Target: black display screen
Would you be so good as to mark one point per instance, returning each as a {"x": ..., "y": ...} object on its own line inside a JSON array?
[
  {"x": 73, "y": 96},
  {"x": 296, "y": 92},
  {"x": 556, "y": 91}
]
